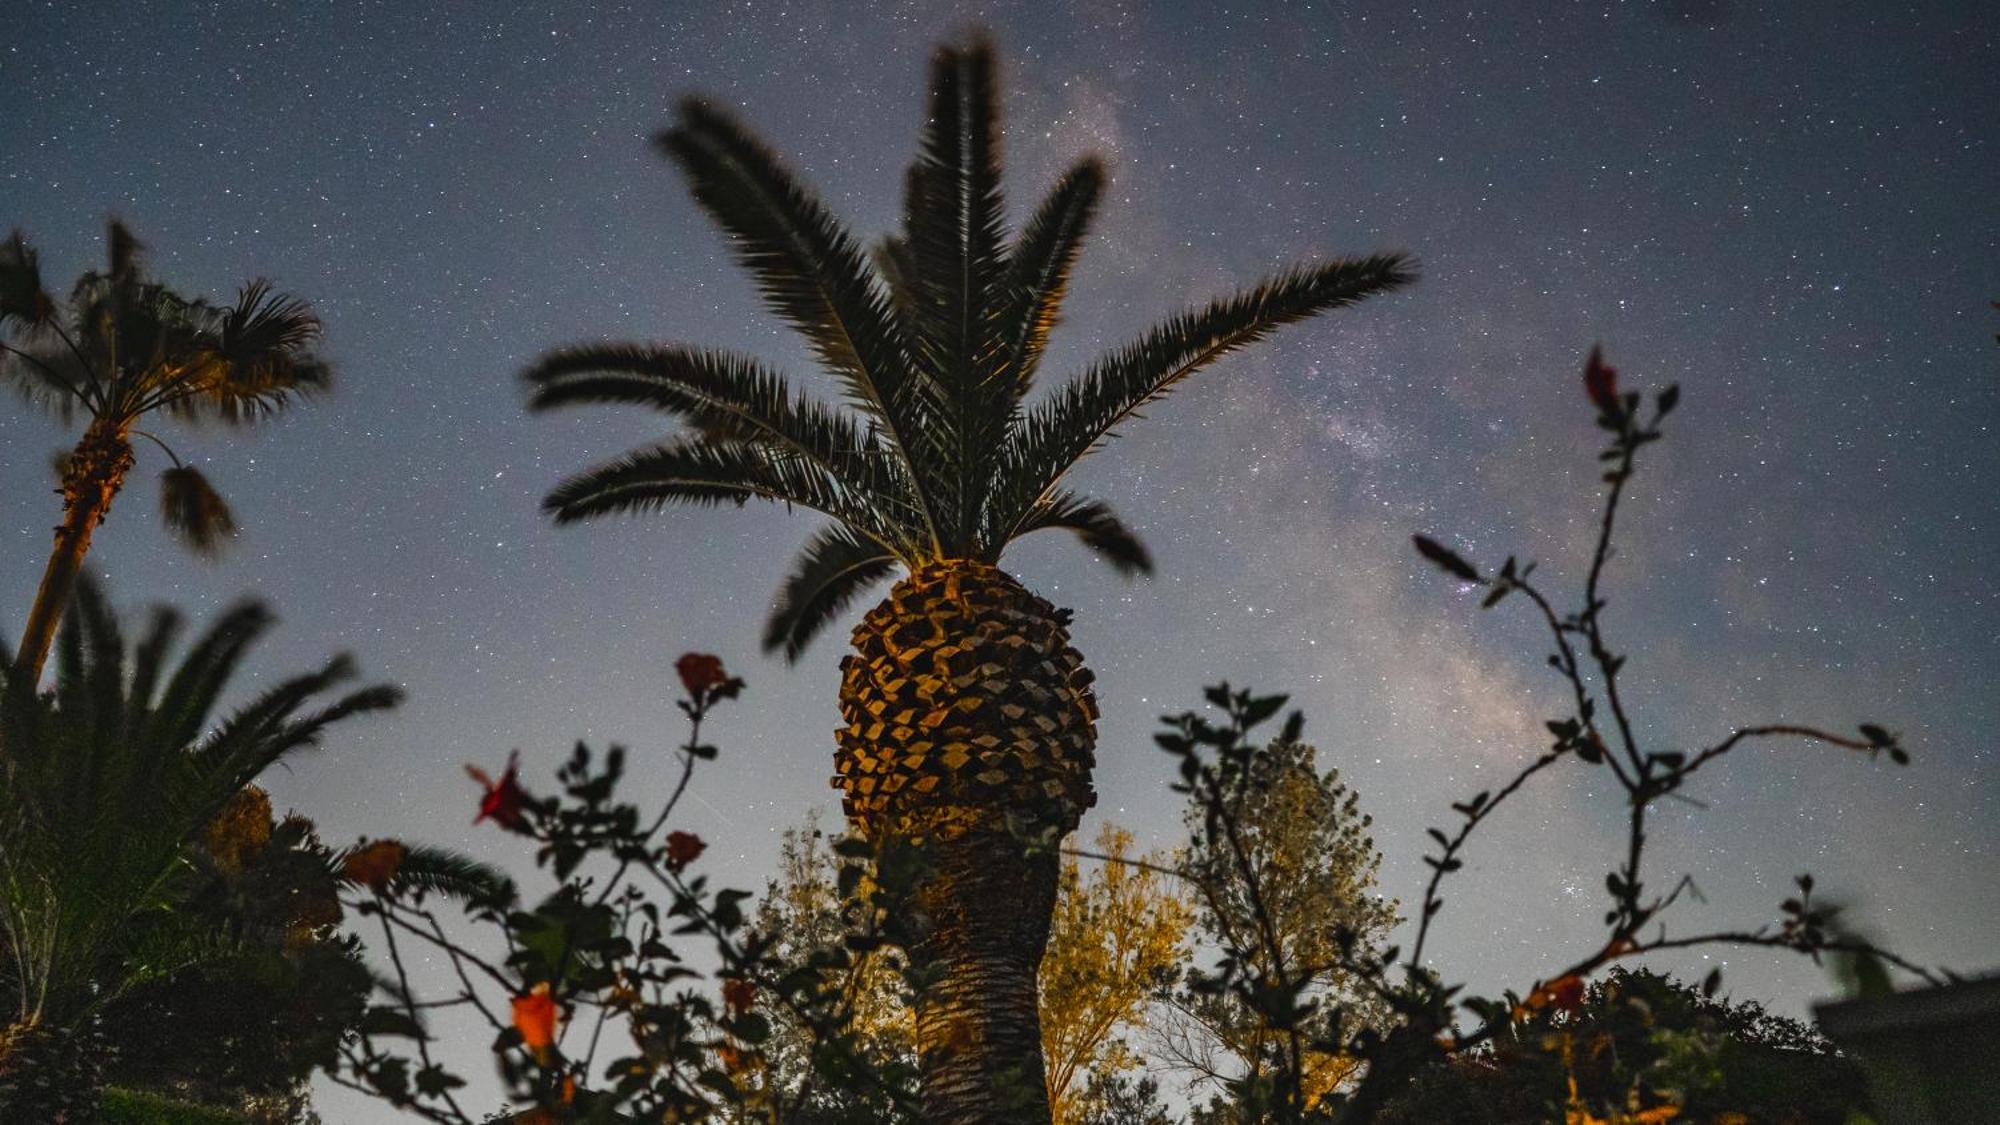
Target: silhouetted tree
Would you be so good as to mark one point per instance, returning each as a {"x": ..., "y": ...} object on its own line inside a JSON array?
[
  {"x": 107, "y": 784},
  {"x": 970, "y": 721},
  {"x": 123, "y": 349},
  {"x": 1645, "y": 1041}
]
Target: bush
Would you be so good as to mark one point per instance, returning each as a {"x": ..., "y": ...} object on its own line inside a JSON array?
[{"x": 131, "y": 1107}]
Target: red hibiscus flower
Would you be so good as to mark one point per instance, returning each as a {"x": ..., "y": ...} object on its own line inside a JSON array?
[
  {"x": 683, "y": 848},
  {"x": 700, "y": 673},
  {"x": 505, "y": 800},
  {"x": 1600, "y": 382}
]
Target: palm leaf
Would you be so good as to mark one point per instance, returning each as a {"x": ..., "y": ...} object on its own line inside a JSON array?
[
  {"x": 952, "y": 263},
  {"x": 190, "y": 694},
  {"x": 23, "y": 299},
  {"x": 123, "y": 251},
  {"x": 441, "y": 871},
  {"x": 810, "y": 271},
  {"x": 252, "y": 359},
  {"x": 105, "y": 788},
  {"x": 1040, "y": 268},
  {"x": 834, "y": 567},
  {"x": 1095, "y": 524},
  {"x": 1055, "y": 435},
  {"x": 703, "y": 472},
  {"x": 728, "y": 397},
  {"x": 193, "y": 511}
]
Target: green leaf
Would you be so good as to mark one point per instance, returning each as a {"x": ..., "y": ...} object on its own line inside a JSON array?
[
  {"x": 378, "y": 1020},
  {"x": 1444, "y": 558}
]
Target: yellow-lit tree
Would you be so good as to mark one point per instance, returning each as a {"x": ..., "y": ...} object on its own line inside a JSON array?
[
  {"x": 1119, "y": 936},
  {"x": 1117, "y": 942},
  {"x": 1314, "y": 862}
]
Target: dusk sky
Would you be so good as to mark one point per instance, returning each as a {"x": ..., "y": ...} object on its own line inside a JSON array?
[{"x": 1792, "y": 210}]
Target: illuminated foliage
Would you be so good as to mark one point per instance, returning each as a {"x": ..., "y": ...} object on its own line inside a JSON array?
[{"x": 1118, "y": 941}]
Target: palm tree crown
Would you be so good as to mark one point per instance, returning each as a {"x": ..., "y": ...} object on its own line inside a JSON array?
[
  {"x": 129, "y": 348},
  {"x": 110, "y": 774},
  {"x": 936, "y": 339},
  {"x": 129, "y": 345}
]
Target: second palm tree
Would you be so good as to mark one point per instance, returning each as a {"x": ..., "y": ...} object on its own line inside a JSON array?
[{"x": 969, "y": 719}]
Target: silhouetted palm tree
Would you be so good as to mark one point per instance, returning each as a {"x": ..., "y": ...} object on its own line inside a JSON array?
[
  {"x": 970, "y": 720},
  {"x": 106, "y": 779},
  {"x": 127, "y": 347}
]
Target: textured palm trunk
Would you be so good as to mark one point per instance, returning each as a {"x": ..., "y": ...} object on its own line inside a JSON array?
[
  {"x": 970, "y": 738},
  {"x": 984, "y": 912},
  {"x": 96, "y": 471}
]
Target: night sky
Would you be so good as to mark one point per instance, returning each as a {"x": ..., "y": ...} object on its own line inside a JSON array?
[{"x": 1793, "y": 216}]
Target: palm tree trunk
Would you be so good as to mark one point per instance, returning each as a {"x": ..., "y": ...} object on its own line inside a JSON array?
[
  {"x": 96, "y": 471},
  {"x": 984, "y": 906}
]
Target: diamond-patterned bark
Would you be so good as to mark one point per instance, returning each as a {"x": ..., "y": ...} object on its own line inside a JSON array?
[{"x": 964, "y": 702}]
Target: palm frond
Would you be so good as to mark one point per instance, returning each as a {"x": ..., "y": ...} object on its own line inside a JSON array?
[
  {"x": 49, "y": 379},
  {"x": 1040, "y": 266},
  {"x": 442, "y": 871},
  {"x": 952, "y": 269},
  {"x": 190, "y": 694},
  {"x": 194, "y": 512},
  {"x": 833, "y": 568},
  {"x": 90, "y": 655},
  {"x": 256, "y": 356},
  {"x": 703, "y": 472},
  {"x": 728, "y": 397},
  {"x": 810, "y": 270},
  {"x": 1094, "y": 523},
  {"x": 1055, "y": 435},
  {"x": 122, "y": 250},
  {"x": 149, "y": 656},
  {"x": 23, "y": 298},
  {"x": 103, "y": 793}
]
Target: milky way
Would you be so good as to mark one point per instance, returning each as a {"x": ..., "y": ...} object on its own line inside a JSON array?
[{"x": 1793, "y": 218}]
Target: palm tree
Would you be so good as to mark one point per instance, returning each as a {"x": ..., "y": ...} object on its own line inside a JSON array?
[
  {"x": 127, "y": 347},
  {"x": 107, "y": 780},
  {"x": 969, "y": 717}
]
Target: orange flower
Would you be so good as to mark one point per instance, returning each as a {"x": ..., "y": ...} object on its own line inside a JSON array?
[
  {"x": 375, "y": 865},
  {"x": 739, "y": 995},
  {"x": 535, "y": 1019},
  {"x": 683, "y": 848},
  {"x": 700, "y": 673},
  {"x": 1565, "y": 993},
  {"x": 504, "y": 800}
]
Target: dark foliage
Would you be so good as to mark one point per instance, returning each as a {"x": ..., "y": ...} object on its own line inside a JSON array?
[
  {"x": 597, "y": 1014},
  {"x": 1435, "y": 1024},
  {"x": 1637, "y": 1034}
]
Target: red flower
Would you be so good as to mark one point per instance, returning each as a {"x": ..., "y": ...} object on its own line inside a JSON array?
[
  {"x": 505, "y": 800},
  {"x": 700, "y": 673},
  {"x": 535, "y": 1019},
  {"x": 683, "y": 848},
  {"x": 1565, "y": 993},
  {"x": 739, "y": 995},
  {"x": 375, "y": 865},
  {"x": 1600, "y": 382}
]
